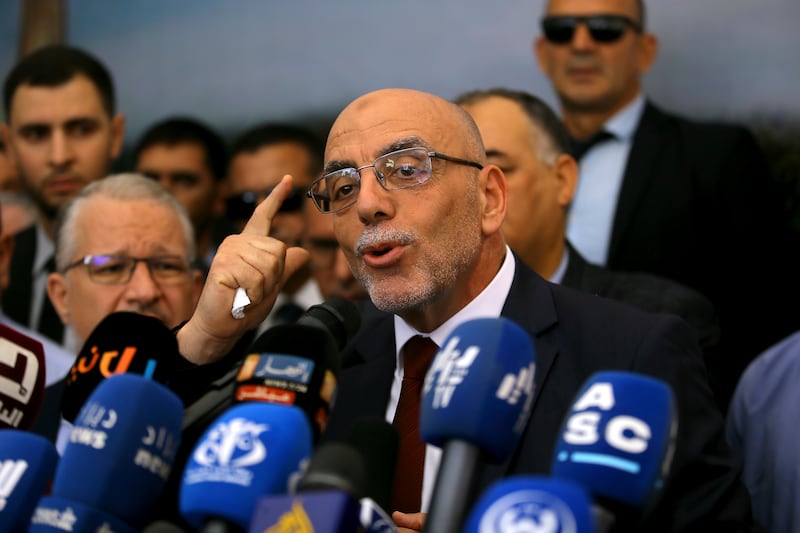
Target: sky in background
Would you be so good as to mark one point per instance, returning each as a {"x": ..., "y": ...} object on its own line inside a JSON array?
[{"x": 233, "y": 63}]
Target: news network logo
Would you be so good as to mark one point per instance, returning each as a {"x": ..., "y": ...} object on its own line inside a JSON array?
[
  {"x": 108, "y": 363},
  {"x": 11, "y": 471},
  {"x": 624, "y": 433},
  {"x": 528, "y": 511},
  {"x": 224, "y": 455},
  {"x": 19, "y": 370},
  {"x": 449, "y": 369}
]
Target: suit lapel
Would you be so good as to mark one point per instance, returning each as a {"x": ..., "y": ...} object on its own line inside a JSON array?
[
  {"x": 17, "y": 297},
  {"x": 642, "y": 163}
]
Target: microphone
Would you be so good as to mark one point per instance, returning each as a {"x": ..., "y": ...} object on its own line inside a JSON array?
[
  {"x": 252, "y": 449},
  {"x": 617, "y": 441},
  {"x": 56, "y": 515},
  {"x": 476, "y": 401},
  {"x": 118, "y": 456},
  {"x": 377, "y": 442},
  {"x": 22, "y": 379},
  {"x": 27, "y": 465},
  {"x": 531, "y": 503},
  {"x": 312, "y": 344},
  {"x": 326, "y": 499},
  {"x": 333, "y": 495},
  {"x": 122, "y": 342}
]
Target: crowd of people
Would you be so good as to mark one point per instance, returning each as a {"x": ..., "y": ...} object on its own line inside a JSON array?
[{"x": 619, "y": 235}]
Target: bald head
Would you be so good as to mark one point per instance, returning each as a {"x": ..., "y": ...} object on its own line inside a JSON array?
[{"x": 408, "y": 113}]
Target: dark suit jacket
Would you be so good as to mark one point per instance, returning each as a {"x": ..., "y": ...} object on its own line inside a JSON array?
[
  {"x": 17, "y": 298},
  {"x": 698, "y": 205},
  {"x": 575, "y": 335}
]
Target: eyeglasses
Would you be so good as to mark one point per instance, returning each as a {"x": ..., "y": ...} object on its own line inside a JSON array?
[
  {"x": 602, "y": 28},
  {"x": 117, "y": 269},
  {"x": 400, "y": 169},
  {"x": 241, "y": 206}
]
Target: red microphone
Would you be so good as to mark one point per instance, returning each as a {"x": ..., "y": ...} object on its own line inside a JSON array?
[{"x": 22, "y": 379}]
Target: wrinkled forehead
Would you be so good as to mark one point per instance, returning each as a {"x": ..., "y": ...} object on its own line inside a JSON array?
[{"x": 392, "y": 119}]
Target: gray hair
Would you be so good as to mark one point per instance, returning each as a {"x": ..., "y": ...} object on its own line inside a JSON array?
[{"x": 129, "y": 186}]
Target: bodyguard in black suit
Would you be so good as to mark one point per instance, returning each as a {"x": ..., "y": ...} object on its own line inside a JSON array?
[
  {"x": 690, "y": 201},
  {"x": 418, "y": 214}
]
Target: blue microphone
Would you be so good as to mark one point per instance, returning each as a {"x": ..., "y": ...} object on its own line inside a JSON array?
[
  {"x": 56, "y": 515},
  {"x": 121, "y": 449},
  {"x": 251, "y": 450},
  {"x": 526, "y": 503},
  {"x": 618, "y": 439},
  {"x": 477, "y": 398},
  {"x": 27, "y": 465}
]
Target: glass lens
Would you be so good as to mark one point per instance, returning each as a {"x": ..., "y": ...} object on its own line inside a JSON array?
[
  {"x": 606, "y": 28},
  {"x": 559, "y": 30},
  {"x": 340, "y": 188},
  {"x": 109, "y": 268},
  {"x": 404, "y": 168},
  {"x": 168, "y": 268}
]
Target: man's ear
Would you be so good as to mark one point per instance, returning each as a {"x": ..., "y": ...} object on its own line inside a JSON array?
[
  {"x": 495, "y": 198},
  {"x": 566, "y": 172},
  {"x": 59, "y": 296},
  {"x": 117, "y": 134}
]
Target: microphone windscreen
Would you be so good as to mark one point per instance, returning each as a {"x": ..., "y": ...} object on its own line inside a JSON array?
[
  {"x": 618, "y": 437},
  {"x": 122, "y": 342},
  {"x": 531, "y": 503},
  {"x": 122, "y": 448},
  {"x": 338, "y": 316},
  {"x": 479, "y": 388},
  {"x": 22, "y": 379},
  {"x": 251, "y": 450},
  {"x": 57, "y": 515},
  {"x": 377, "y": 441},
  {"x": 335, "y": 466},
  {"x": 27, "y": 465},
  {"x": 292, "y": 364}
]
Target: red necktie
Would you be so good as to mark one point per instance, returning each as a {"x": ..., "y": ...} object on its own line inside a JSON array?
[{"x": 418, "y": 353}]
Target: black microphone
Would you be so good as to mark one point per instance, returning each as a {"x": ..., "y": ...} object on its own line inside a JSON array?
[
  {"x": 22, "y": 379},
  {"x": 332, "y": 324},
  {"x": 123, "y": 342}
]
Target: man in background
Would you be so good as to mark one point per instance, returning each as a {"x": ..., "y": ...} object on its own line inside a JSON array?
[
  {"x": 260, "y": 157},
  {"x": 62, "y": 133},
  {"x": 190, "y": 160},
  {"x": 658, "y": 193}
]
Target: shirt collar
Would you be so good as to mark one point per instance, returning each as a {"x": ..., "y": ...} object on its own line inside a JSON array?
[
  {"x": 489, "y": 303},
  {"x": 44, "y": 250},
  {"x": 623, "y": 124}
]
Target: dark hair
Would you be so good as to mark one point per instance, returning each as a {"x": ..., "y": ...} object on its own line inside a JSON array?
[
  {"x": 177, "y": 130},
  {"x": 538, "y": 112},
  {"x": 268, "y": 134},
  {"x": 55, "y": 65}
]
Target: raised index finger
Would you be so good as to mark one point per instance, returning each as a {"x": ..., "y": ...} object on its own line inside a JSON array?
[{"x": 261, "y": 220}]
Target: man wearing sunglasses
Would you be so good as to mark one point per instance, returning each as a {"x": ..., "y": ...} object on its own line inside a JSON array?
[
  {"x": 259, "y": 158},
  {"x": 690, "y": 201}
]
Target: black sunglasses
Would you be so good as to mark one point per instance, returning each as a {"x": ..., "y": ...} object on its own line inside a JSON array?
[
  {"x": 602, "y": 28},
  {"x": 241, "y": 206}
]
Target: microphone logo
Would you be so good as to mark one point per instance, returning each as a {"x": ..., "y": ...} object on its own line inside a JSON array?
[
  {"x": 228, "y": 449},
  {"x": 86, "y": 363},
  {"x": 623, "y": 433},
  {"x": 19, "y": 368},
  {"x": 448, "y": 371},
  {"x": 10, "y": 473},
  {"x": 296, "y": 520},
  {"x": 92, "y": 426},
  {"x": 531, "y": 511}
]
